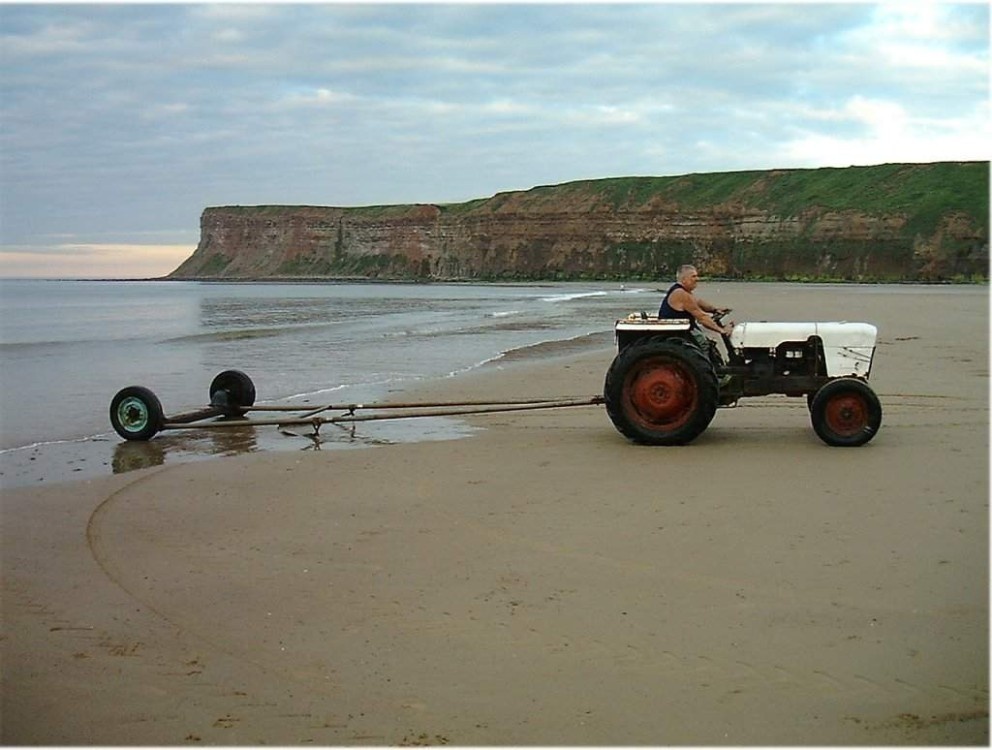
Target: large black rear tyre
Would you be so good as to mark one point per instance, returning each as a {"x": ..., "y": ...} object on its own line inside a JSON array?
[
  {"x": 136, "y": 413},
  {"x": 846, "y": 413},
  {"x": 661, "y": 391}
]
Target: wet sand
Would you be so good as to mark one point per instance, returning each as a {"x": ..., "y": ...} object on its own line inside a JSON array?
[{"x": 542, "y": 581}]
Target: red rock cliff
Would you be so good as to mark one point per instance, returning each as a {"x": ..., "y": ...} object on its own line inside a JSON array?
[{"x": 895, "y": 222}]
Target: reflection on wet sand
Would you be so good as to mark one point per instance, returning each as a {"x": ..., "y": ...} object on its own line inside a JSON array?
[
  {"x": 101, "y": 455},
  {"x": 228, "y": 441},
  {"x": 130, "y": 455},
  {"x": 336, "y": 433}
]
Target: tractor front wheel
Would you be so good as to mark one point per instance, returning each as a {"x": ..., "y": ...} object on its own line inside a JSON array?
[
  {"x": 661, "y": 391},
  {"x": 846, "y": 413}
]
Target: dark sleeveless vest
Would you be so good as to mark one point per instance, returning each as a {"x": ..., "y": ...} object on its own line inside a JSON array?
[{"x": 666, "y": 311}]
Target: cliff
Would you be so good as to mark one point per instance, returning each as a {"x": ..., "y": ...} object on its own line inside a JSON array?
[{"x": 894, "y": 222}]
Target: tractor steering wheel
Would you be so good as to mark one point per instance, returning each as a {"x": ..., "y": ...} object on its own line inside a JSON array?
[{"x": 719, "y": 315}]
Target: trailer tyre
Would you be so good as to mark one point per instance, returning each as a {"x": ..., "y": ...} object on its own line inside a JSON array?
[
  {"x": 233, "y": 392},
  {"x": 661, "y": 391},
  {"x": 846, "y": 413},
  {"x": 136, "y": 413}
]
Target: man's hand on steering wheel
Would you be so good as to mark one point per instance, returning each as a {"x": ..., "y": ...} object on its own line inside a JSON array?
[
  {"x": 719, "y": 313},
  {"x": 718, "y": 316}
]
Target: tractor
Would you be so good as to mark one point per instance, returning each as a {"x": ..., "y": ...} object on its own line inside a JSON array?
[{"x": 665, "y": 385}]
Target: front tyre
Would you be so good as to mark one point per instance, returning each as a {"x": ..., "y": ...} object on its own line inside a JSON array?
[
  {"x": 846, "y": 413},
  {"x": 136, "y": 413},
  {"x": 661, "y": 391}
]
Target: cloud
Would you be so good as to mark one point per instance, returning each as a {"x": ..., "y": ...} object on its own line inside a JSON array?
[
  {"x": 878, "y": 131},
  {"x": 123, "y": 119}
]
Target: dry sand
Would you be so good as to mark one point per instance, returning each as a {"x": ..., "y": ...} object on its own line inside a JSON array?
[{"x": 541, "y": 582}]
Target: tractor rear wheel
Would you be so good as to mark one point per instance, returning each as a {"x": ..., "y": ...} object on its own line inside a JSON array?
[
  {"x": 661, "y": 391},
  {"x": 846, "y": 413}
]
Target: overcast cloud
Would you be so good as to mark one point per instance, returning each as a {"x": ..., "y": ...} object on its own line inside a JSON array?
[{"x": 121, "y": 123}]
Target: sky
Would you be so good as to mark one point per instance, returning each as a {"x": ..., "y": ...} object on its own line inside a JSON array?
[{"x": 120, "y": 123}]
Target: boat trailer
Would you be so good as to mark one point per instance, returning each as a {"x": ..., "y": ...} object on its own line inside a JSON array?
[{"x": 136, "y": 412}]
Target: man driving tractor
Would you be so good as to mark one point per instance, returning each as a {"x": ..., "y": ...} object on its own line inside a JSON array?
[{"x": 681, "y": 303}]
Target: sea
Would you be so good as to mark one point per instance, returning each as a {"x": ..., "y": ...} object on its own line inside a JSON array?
[{"x": 68, "y": 346}]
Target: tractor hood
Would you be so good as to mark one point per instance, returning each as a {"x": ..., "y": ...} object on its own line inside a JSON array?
[
  {"x": 848, "y": 348},
  {"x": 770, "y": 335}
]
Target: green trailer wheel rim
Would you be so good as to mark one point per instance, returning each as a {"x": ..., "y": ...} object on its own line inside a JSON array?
[{"x": 133, "y": 414}]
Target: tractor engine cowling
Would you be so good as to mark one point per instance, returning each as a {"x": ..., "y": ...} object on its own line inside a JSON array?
[{"x": 848, "y": 348}]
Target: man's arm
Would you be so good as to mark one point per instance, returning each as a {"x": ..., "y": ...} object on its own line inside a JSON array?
[
  {"x": 695, "y": 308},
  {"x": 707, "y": 307}
]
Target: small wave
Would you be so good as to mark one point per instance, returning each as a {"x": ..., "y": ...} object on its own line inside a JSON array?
[
  {"x": 14, "y": 348},
  {"x": 569, "y": 297},
  {"x": 396, "y": 334},
  {"x": 505, "y": 314},
  {"x": 547, "y": 348},
  {"x": 233, "y": 335},
  {"x": 312, "y": 398},
  {"x": 555, "y": 347},
  {"x": 311, "y": 394},
  {"x": 470, "y": 368},
  {"x": 61, "y": 441},
  {"x": 252, "y": 332}
]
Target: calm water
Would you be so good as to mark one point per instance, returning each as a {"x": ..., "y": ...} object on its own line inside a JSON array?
[{"x": 68, "y": 346}]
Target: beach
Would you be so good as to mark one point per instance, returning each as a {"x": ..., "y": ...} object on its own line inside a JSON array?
[{"x": 541, "y": 581}]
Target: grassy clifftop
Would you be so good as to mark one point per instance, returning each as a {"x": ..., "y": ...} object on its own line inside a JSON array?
[{"x": 923, "y": 193}]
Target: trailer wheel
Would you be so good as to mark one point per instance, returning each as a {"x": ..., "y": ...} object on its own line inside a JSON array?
[
  {"x": 136, "y": 413},
  {"x": 233, "y": 392},
  {"x": 661, "y": 391},
  {"x": 846, "y": 413}
]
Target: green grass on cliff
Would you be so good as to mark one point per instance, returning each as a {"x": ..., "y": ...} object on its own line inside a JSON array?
[
  {"x": 926, "y": 189},
  {"x": 923, "y": 193}
]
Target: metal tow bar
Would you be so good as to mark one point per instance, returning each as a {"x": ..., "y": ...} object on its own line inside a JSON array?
[{"x": 136, "y": 412}]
